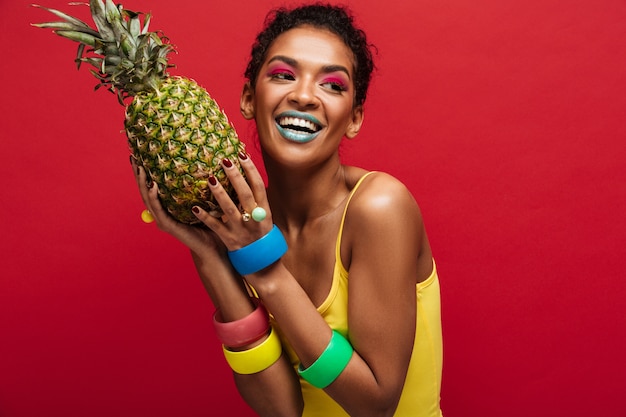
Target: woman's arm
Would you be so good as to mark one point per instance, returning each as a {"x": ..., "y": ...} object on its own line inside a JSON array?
[
  {"x": 383, "y": 241},
  {"x": 273, "y": 392},
  {"x": 383, "y": 238},
  {"x": 387, "y": 252}
]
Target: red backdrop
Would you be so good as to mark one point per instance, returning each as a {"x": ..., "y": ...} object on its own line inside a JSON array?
[{"x": 506, "y": 119}]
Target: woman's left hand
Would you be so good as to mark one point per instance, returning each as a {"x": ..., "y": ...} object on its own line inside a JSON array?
[{"x": 237, "y": 228}]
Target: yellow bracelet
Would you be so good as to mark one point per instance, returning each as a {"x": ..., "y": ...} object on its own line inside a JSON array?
[{"x": 256, "y": 359}]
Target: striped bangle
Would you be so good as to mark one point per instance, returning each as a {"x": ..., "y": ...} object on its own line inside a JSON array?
[
  {"x": 330, "y": 364},
  {"x": 244, "y": 331},
  {"x": 259, "y": 254},
  {"x": 256, "y": 359}
]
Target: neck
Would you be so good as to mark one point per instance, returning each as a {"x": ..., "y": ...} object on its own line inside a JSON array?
[{"x": 300, "y": 197}]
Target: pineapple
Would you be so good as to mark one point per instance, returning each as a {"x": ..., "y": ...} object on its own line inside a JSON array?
[{"x": 175, "y": 130}]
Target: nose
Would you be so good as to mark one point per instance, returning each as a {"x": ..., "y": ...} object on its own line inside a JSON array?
[{"x": 303, "y": 93}]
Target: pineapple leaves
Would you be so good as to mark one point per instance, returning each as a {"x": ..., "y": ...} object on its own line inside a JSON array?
[
  {"x": 126, "y": 58},
  {"x": 79, "y": 55},
  {"x": 111, "y": 11},
  {"x": 66, "y": 17},
  {"x": 146, "y": 24},
  {"x": 96, "y": 62},
  {"x": 134, "y": 25},
  {"x": 98, "y": 14},
  {"x": 66, "y": 26},
  {"x": 85, "y": 38}
]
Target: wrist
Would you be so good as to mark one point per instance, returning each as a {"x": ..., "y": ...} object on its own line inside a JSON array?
[
  {"x": 257, "y": 358},
  {"x": 259, "y": 254},
  {"x": 271, "y": 280},
  {"x": 244, "y": 331}
]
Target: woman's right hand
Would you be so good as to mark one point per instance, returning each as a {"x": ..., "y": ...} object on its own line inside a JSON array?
[
  {"x": 224, "y": 285},
  {"x": 201, "y": 241}
]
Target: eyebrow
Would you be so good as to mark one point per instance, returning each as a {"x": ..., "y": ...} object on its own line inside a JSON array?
[{"x": 326, "y": 68}]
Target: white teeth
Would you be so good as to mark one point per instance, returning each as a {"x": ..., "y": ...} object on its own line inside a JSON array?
[{"x": 294, "y": 121}]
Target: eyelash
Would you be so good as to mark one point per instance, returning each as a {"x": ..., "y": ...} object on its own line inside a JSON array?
[
  {"x": 281, "y": 74},
  {"x": 334, "y": 84}
]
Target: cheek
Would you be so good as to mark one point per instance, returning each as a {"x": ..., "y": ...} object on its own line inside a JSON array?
[
  {"x": 260, "y": 102},
  {"x": 266, "y": 100},
  {"x": 343, "y": 112}
]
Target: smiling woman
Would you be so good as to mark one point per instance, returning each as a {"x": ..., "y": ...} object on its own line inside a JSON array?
[
  {"x": 308, "y": 77},
  {"x": 318, "y": 299},
  {"x": 504, "y": 119}
]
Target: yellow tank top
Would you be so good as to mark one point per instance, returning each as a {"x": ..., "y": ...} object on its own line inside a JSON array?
[{"x": 420, "y": 396}]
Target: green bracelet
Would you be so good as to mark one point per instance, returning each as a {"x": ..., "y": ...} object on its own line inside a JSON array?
[{"x": 330, "y": 364}]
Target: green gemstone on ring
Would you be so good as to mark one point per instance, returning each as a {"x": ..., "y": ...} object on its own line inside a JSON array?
[{"x": 258, "y": 214}]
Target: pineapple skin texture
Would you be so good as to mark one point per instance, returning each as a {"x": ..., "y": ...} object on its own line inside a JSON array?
[{"x": 179, "y": 135}]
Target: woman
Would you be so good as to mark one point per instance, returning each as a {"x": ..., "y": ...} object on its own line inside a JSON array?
[{"x": 370, "y": 348}]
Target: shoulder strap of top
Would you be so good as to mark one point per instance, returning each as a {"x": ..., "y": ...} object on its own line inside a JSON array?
[{"x": 343, "y": 217}]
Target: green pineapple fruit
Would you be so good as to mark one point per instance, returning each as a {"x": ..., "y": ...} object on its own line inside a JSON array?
[{"x": 175, "y": 130}]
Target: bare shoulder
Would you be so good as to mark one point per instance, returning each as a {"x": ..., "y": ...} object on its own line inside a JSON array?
[
  {"x": 383, "y": 216},
  {"x": 382, "y": 196}
]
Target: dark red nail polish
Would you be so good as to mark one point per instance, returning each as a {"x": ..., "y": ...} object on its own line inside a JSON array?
[
  {"x": 227, "y": 163},
  {"x": 212, "y": 180},
  {"x": 243, "y": 156},
  {"x": 195, "y": 209}
]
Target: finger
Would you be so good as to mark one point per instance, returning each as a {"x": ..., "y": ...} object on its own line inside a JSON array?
[
  {"x": 149, "y": 191},
  {"x": 239, "y": 183},
  {"x": 254, "y": 179},
  {"x": 215, "y": 224},
  {"x": 223, "y": 199},
  {"x": 152, "y": 200},
  {"x": 140, "y": 178},
  {"x": 232, "y": 233},
  {"x": 134, "y": 166}
]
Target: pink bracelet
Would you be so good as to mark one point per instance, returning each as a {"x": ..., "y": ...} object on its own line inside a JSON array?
[{"x": 244, "y": 331}]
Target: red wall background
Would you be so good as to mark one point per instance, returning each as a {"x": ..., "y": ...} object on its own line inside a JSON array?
[{"x": 507, "y": 119}]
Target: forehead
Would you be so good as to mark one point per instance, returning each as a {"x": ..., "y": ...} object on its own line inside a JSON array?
[{"x": 312, "y": 45}]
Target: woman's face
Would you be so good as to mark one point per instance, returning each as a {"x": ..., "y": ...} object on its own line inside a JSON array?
[{"x": 303, "y": 102}]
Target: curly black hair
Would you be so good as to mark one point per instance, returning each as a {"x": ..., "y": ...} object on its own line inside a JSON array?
[{"x": 336, "y": 19}]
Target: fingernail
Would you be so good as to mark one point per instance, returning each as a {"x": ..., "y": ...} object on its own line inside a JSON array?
[
  {"x": 149, "y": 184},
  {"x": 212, "y": 180},
  {"x": 243, "y": 156},
  {"x": 227, "y": 163},
  {"x": 195, "y": 209}
]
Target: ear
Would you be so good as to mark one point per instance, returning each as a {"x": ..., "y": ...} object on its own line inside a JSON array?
[
  {"x": 246, "y": 102},
  {"x": 355, "y": 124}
]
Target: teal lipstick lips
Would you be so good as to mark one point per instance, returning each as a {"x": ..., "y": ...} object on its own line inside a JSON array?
[{"x": 298, "y": 127}]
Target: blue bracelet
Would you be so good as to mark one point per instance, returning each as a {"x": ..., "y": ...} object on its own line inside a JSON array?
[{"x": 259, "y": 254}]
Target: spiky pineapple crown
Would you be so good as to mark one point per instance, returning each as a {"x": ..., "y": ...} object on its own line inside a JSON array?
[{"x": 127, "y": 57}]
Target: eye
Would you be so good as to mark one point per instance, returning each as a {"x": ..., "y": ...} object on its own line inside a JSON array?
[
  {"x": 282, "y": 74},
  {"x": 335, "y": 84}
]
